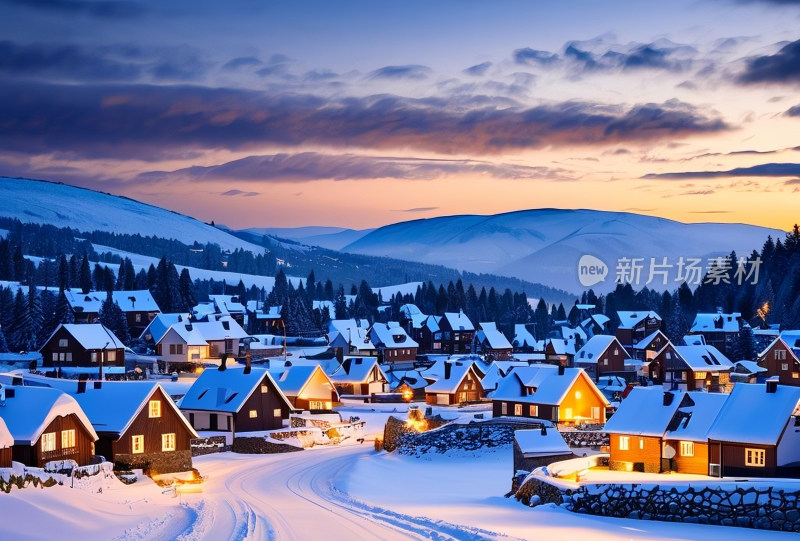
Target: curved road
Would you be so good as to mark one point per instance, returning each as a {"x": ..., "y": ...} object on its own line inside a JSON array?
[{"x": 291, "y": 497}]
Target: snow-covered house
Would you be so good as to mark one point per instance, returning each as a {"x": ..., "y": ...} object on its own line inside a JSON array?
[
  {"x": 6, "y": 445},
  {"x": 635, "y": 326},
  {"x": 223, "y": 335},
  {"x": 138, "y": 425},
  {"x": 459, "y": 382},
  {"x": 646, "y": 349},
  {"x": 756, "y": 433},
  {"x": 158, "y": 327},
  {"x": 430, "y": 335},
  {"x": 747, "y": 372},
  {"x": 360, "y": 376},
  {"x": 235, "y": 400},
  {"x": 595, "y": 323},
  {"x": 412, "y": 319},
  {"x": 182, "y": 344},
  {"x": 524, "y": 341},
  {"x": 411, "y": 383},
  {"x": 686, "y": 439},
  {"x": 602, "y": 355},
  {"x": 229, "y": 305},
  {"x": 560, "y": 351},
  {"x": 353, "y": 341},
  {"x": 491, "y": 342},
  {"x": 138, "y": 306},
  {"x": 265, "y": 319},
  {"x": 781, "y": 361},
  {"x": 307, "y": 387},
  {"x": 553, "y": 393},
  {"x": 457, "y": 333},
  {"x": 47, "y": 425},
  {"x": 83, "y": 345},
  {"x": 392, "y": 343},
  {"x": 692, "y": 367},
  {"x": 719, "y": 329},
  {"x": 539, "y": 447}
]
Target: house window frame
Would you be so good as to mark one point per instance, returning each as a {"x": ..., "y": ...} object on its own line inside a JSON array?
[
  {"x": 154, "y": 409},
  {"x": 63, "y": 342},
  {"x": 533, "y": 410},
  {"x": 68, "y": 438},
  {"x": 687, "y": 448},
  {"x": 624, "y": 443},
  {"x": 168, "y": 442},
  {"x": 503, "y": 408},
  {"x": 517, "y": 410},
  {"x": 780, "y": 354},
  {"x": 48, "y": 442},
  {"x": 755, "y": 458},
  {"x": 137, "y": 444},
  {"x": 277, "y": 413}
]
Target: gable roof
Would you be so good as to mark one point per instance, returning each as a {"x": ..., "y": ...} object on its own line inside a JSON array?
[
  {"x": 550, "y": 387},
  {"x": 629, "y": 320},
  {"x": 535, "y": 443},
  {"x": 780, "y": 340},
  {"x": 704, "y": 358},
  {"x": 523, "y": 337},
  {"x": 32, "y": 409},
  {"x": 293, "y": 379},
  {"x": 224, "y": 328},
  {"x": 561, "y": 346},
  {"x": 356, "y": 370},
  {"x": 432, "y": 323},
  {"x": 458, "y": 371},
  {"x": 128, "y": 399},
  {"x": 647, "y": 340},
  {"x": 414, "y": 314},
  {"x": 391, "y": 335},
  {"x": 188, "y": 333},
  {"x": 695, "y": 415},
  {"x": 643, "y": 412},
  {"x": 129, "y": 301},
  {"x": 717, "y": 322},
  {"x": 491, "y": 335},
  {"x": 459, "y": 321},
  {"x": 160, "y": 324},
  {"x": 355, "y": 337},
  {"x": 596, "y": 346},
  {"x": 743, "y": 419},
  {"x": 227, "y": 304},
  {"x": 91, "y": 335},
  {"x": 226, "y": 390}
]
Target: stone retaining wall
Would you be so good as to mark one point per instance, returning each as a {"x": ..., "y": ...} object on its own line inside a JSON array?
[
  {"x": 207, "y": 446},
  {"x": 467, "y": 437},
  {"x": 585, "y": 438},
  {"x": 261, "y": 446},
  {"x": 153, "y": 463}
]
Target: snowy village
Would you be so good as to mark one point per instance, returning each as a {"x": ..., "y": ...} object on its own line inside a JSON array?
[{"x": 361, "y": 270}]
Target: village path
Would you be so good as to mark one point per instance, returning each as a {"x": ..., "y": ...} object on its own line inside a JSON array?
[{"x": 292, "y": 497}]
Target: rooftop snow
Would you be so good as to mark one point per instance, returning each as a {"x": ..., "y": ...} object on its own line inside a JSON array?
[
  {"x": 743, "y": 419},
  {"x": 32, "y": 409},
  {"x": 93, "y": 336},
  {"x": 643, "y": 413},
  {"x": 225, "y": 390},
  {"x": 534, "y": 443}
]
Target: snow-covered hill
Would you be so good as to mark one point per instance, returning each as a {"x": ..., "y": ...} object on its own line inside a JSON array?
[
  {"x": 36, "y": 201},
  {"x": 332, "y": 238},
  {"x": 545, "y": 245}
]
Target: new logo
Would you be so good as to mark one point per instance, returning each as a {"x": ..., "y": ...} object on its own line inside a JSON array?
[{"x": 591, "y": 270}]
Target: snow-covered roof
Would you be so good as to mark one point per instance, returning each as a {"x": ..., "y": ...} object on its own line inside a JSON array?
[
  {"x": 644, "y": 412},
  {"x": 750, "y": 367},
  {"x": 694, "y": 340},
  {"x": 628, "y": 320},
  {"x": 449, "y": 385},
  {"x": 541, "y": 443},
  {"x": 92, "y": 335},
  {"x": 459, "y": 321},
  {"x": 596, "y": 346},
  {"x": 752, "y": 415},
  {"x": 355, "y": 370},
  {"x": 695, "y": 419},
  {"x": 391, "y": 335},
  {"x": 294, "y": 378},
  {"x": 267, "y": 312},
  {"x": 412, "y": 378},
  {"x": 561, "y": 346},
  {"x": 718, "y": 322},
  {"x": 432, "y": 323},
  {"x": 786, "y": 346},
  {"x": 342, "y": 325},
  {"x": 188, "y": 333},
  {"x": 6, "y": 439},
  {"x": 571, "y": 333},
  {"x": 550, "y": 387},
  {"x": 128, "y": 399},
  {"x": 32, "y": 409},
  {"x": 413, "y": 313},
  {"x": 160, "y": 324},
  {"x": 355, "y": 337},
  {"x": 491, "y": 335},
  {"x": 599, "y": 319},
  {"x": 226, "y": 390},
  {"x": 227, "y": 304},
  {"x": 129, "y": 301},
  {"x": 704, "y": 358},
  {"x": 644, "y": 342},
  {"x": 225, "y": 328},
  {"x": 791, "y": 337},
  {"x": 523, "y": 337}
]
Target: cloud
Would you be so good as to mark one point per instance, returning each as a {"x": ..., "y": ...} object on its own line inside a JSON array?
[
  {"x": 240, "y": 192},
  {"x": 782, "y": 67},
  {"x": 107, "y": 9},
  {"x": 478, "y": 70},
  {"x": 311, "y": 166},
  {"x": 532, "y": 57},
  {"x": 418, "y": 209},
  {"x": 65, "y": 62},
  {"x": 241, "y": 62},
  {"x": 793, "y": 111},
  {"x": 661, "y": 55},
  {"x": 85, "y": 120},
  {"x": 411, "y": 71},
  {"x": 763, "y": 170}
]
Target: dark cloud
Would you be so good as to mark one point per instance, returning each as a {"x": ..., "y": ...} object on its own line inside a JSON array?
[
  {"x": 411, "y": 71},
  {"x": 88, "y": 121},
  {"x": 793, "y": 111},
  {"x": 241, "y": 62},
  {"x": 65, "y": 62},
  {"x": 781, "y": 67},
  {"x": 108, "y": 9},
  {"x": 662, "y": 55},
  {"x": 240, "y": 192},
  {"x": 763, "y": 170},
  {"x": 310, "y": 166},
  {"x": 478, "y": 69},
  {"x": 532, "y": 57}
]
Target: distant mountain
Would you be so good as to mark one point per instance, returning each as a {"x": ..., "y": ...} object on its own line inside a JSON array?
[
  {"x": 545, "y": 245},
  {"x": 332, "y": 238},
  {"x": 61, "y": 205}
]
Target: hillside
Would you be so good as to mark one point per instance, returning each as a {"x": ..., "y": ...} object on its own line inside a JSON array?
[
  {"x": 544, "y": 245},
  {"x": 332, "y": 238}
]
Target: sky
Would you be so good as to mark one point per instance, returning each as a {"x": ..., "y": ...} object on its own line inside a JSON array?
[{"x": 358, "y": 114}]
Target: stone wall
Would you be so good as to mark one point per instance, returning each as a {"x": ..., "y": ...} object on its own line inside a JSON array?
[
  {"x": 207, "y": 446},
  {"x": 261, "y": 446},
  {"x": 762, "y": 507},
  {"x": 467, "y": 437},
  {"x": 585, "y": 438},
  {"x": 153, "y": 463}
]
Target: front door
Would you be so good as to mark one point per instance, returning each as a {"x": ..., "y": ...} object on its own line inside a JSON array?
[{"x": 214, "y": 422}]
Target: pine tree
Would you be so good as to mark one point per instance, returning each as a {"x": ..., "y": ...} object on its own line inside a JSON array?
[
  {"x": 112, "y": 316},
  {"x": 186, "y": 290},
  {"x": 85, "y": 275},
  {"x": 3, "y": 344}
]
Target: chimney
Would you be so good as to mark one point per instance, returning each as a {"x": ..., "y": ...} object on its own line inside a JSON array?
[
  {"x": 223, "y": 362},
  {"x": 772, "y": 386},
  {"x": 247, "y": 367},
  {"x": 561, "y": 370},
  {"x": 81, "y": 386},
  {"x": 98, "y": 384},
  {"x": 447, "y": 369},
  {"x": 668, "y": 396}
]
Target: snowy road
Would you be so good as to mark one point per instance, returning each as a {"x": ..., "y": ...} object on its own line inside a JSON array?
[{"x": 290, "y": 497}]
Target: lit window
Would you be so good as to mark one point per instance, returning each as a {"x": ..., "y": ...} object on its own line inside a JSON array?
[
  {"x": 517, "y": 409},
  {"x": 137, "y": 445},
  {"x": 62, "y": 343},
  {"x": 700, "y": 375},
  {"x": 534, "y": 411},
  {"x": 48, "y": 442},
  {"x": 780, "y": 354},
  {"x": 67, "y": 439},
  {"x": 264, "y": 388},
  {"x": 167, "y": 442},
  {"x": 641, "y": 443},
  {"x": 253, "y": 414},
  {"x": 754, "y": 457},
  {"x": 155, "y": 408},
  {"x": 138, "y": 318},
  {"x": 94, "y": 357},
  {"x": 111, "y": 355},
  {"x": 577, "y": 395},
  {"x": 276, "y": 412},
  {"x": 624, "y": 443},
  {"x": 568, "y": 413},
  {"x": 687, "y": 448}
]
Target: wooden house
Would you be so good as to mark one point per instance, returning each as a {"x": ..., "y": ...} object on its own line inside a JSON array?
[
  {"x": 264, "y": 319},
  {"x": 756, "y": 434},
  {"x": 647, "y": 348},
  {"x": 490, "y": 342},
  {"x": 87, "y": 345},
  {"x": 361, "y": 376},
  {"x": 686, "y": 438},
  {"x": 781, "y": 361},
  {"x": 307, "y": 387},
  {"x": 138, "y": 306},
  {"x": 554, "y": 393},
  {"x": 559, "y": 351},
  {"x": 47, "y": 425},
  {"x": 223, "y": 334},
  {"x": 138, "y": 425},
  {"x": 602, "y": 355},
  {"x": 430, "y": 336},
  {"x": 392, "y": 343},
  {"x": 458, "y": 383},
  {"x": 235, "y": 400},
  {"x": 6, "y": 445},
  {"x": 635, "y": 326},
  {"x": 689, "y": 368},
  {"x": 182, "y": 344},
  {"x": 457, "y": 333},
  {"x": 719, "y": 329},
  {"x": 524, "y": 341}
]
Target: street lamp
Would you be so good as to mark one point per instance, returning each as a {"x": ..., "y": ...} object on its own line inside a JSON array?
[{"x": 102, "y": 353}]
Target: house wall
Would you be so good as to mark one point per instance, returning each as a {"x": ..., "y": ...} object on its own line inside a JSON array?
[
  {"x": 189, "y": 351},
  {"x": 612, "y": 359},
  {"x": 393, "y": 355},
  {"x": 774, "y": 365},
  {"x": 644, "y": 451},
  {"x": 581, "y": 407},
  {"x": 733, "y": 459},
  {"x": 137, "y": 327},
  {"x": 317, "y": 389},
  {"x": 5, "y": 457},
  {"x": 544, "y": 411},
  {"x": 265, "y": 404},
  {"x": 697, "y": 464},
  {"x": 209, "y": 420},
  {"x": 32, "y": 455}
]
